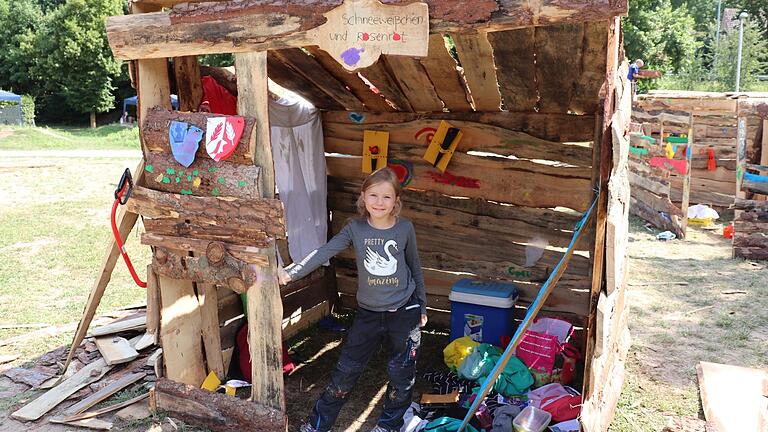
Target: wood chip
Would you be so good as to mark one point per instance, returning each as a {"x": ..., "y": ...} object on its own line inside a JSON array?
[
  {"x": 733, "y": 292},
  {"x": 8, "y": 358},
  {"x": 134, "y": 412}
]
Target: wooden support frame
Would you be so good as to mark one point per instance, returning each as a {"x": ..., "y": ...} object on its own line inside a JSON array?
[{"x": 265, "y": 309}]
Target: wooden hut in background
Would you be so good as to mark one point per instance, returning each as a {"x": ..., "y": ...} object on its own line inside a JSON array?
[{"x": 538, "y": 90}]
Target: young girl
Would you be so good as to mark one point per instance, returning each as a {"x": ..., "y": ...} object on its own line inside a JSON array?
[{"x": 390, "y": 297}]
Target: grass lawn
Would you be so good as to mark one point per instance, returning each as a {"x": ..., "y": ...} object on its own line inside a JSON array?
[{"x": 109, "y": 137}]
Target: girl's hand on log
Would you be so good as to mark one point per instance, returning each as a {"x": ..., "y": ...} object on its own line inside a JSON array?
[
  {"x": 282, "y": 276},
  {"x": 423, "y": 320}
]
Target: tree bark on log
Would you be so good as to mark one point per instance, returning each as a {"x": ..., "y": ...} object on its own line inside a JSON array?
[
  {"x": 154, "y": 133},
  {"x": 263, "y": 215},
  {"x": 215, "y": 411},
  {"x": 248, "y": 254},
  {"x": 259, "y": 25},
  {"x": 228, "y": 270},
  {"x": 204, "y": 177},
  {"x": 745, "y": 204}
]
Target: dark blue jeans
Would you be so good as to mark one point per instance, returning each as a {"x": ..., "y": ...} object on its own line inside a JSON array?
[{"x": 399, "y": 329}]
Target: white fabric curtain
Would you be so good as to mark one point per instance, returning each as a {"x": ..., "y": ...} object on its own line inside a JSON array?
[{"x": 300, "y": 176}]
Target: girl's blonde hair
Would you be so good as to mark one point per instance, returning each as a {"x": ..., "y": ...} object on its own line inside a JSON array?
[{"x": 380, "y": 176}]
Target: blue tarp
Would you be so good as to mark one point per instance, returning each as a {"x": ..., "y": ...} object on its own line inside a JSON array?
[
  {"x": 133, "y": 100},
  {"x": 8, "y": 96}
]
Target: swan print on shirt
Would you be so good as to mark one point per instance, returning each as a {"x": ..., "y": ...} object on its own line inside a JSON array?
[{"x": 378, "y": 265}]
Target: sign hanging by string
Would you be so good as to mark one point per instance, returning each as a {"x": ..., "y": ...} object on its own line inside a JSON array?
[{"x": 359, "y": 31}]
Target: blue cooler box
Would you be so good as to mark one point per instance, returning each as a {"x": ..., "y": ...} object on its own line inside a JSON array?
[{"x": 482, "y": 310}]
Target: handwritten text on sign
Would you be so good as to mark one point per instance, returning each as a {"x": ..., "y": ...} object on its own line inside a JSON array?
[{"x": 359, "y": 31}]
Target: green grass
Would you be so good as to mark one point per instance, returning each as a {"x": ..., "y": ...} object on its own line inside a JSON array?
[
  {"x": 109, "y": 137},
  {"x": 54, "y": 229}
]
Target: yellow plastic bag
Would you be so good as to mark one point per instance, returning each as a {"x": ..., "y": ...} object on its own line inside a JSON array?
[{"x": 456, "y": 351}]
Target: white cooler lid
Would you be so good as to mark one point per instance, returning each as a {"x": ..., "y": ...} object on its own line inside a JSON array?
[{"x": 481, "y": 300}]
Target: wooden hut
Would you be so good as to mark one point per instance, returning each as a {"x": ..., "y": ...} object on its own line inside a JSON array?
[
  {"x": 538, "y": 91},
  {"x": 717, "y": 124}
]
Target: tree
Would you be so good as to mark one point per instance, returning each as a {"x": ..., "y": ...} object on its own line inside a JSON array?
[
  {"x": 660, "y": 34},
  {"x": 74, "y": 57},
  {"x": 753, "y": 56},
  {"x": 19, "y": 22}
]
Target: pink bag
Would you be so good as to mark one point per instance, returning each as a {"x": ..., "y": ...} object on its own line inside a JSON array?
[
  {"x": 543, "y": 344},
  {"x": 564, "y": 403}
]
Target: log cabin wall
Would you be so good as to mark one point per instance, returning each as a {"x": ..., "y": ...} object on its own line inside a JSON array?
[{"x": 521, "y": 172}]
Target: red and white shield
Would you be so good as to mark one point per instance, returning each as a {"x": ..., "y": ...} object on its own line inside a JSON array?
[{"x": 222, "y": 135}]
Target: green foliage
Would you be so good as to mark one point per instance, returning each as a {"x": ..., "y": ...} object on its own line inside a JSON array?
[
  {"x": 19, "y": 22},
  {"x": 753, "y": 57},
  {"x": 217, "y": 60},
  {"x": 662, "y": 35},
  {"x": 74, "y": 58},
  {"x": 28, "y": 109}
]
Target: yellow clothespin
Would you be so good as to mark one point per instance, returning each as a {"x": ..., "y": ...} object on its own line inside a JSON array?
[
  {"x": 375, "y": 147},
  {"x": 442, "y": 146}
]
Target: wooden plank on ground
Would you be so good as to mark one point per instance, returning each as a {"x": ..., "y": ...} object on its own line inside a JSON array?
[
  {"x": 476, "y": 56},
  {"x": 38, "y": 407},
  {"x": 139, "y": 323},
  {"x": 372, "y": 101},
  {"x": 180, "y": 331},
  {"x": 103, "y": 393},
  {"x": 720, "y": 384},
  {"x": 444, "y": 74},
  {"x": 265, "y": 309},
  {"x": 209, "y": 311},
  {"x": 115, "y": 350},
  {"x": 516, "y": 68},
  {"x": 106, "y": 409},
  {"x": 413, "y": 80}
]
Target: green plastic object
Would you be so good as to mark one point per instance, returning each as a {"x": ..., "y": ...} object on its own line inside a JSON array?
[
  {"x": 676, "y": 140},
  {"x": 649, "y": 139}
]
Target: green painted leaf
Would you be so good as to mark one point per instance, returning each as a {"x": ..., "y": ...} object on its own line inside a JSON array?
[{"x": 149, "y": 168}]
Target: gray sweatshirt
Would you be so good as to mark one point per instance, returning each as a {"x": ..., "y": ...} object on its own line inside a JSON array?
[{"x": 388, "y": 266}]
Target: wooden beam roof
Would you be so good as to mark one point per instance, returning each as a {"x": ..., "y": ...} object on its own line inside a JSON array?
[{"x": 195, "y": 28}]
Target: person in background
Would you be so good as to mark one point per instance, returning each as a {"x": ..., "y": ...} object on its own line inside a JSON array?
[{"x": 391, "y": 302}]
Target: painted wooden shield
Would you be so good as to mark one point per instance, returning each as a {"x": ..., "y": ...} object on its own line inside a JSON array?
[
  {"x": 185, "y": 139},
  {"x": 222, "y": 136}
]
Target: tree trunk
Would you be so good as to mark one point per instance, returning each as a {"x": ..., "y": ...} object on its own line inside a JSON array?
[{"x": 93, "y": 119}]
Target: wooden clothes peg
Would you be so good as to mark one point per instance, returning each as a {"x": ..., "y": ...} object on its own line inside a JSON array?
[
  {"x": 375, "y": 148},
  {"x": 442, "y": 146}
]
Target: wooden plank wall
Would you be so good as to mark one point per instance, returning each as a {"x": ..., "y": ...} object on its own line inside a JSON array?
[
  {"x": 714, "y": 129},
  {"x": 496, "y": 197},
  {"x": 606, "y": 368}
]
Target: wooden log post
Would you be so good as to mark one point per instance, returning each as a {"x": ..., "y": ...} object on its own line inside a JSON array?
[
  {"x": 189, "y": 89},
  {"x": 265, "y": 308},
  {"x": 215, "y": 411},
  {"x": 687, "y": 179}
]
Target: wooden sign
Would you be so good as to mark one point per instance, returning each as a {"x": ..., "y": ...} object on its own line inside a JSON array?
[
  {"x": 442, "y": 146},
  {"x": 375, "y": 146},
  {"x": 359, "y": 31}
]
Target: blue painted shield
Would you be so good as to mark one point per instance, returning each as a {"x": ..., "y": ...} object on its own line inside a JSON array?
[{"x": 185, "y": 139}]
